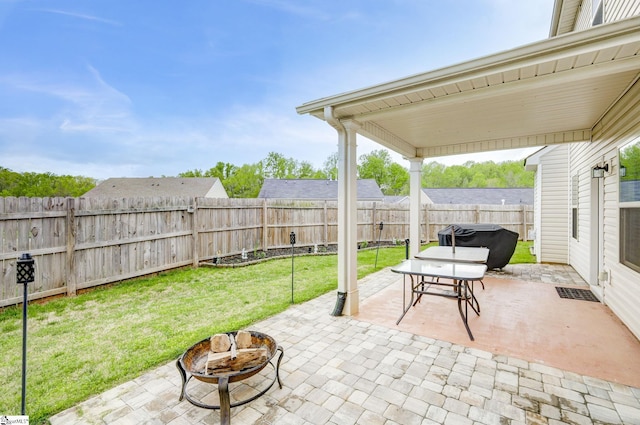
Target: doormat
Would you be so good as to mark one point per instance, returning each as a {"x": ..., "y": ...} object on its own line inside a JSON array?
[{"x": 576, "y": 294}]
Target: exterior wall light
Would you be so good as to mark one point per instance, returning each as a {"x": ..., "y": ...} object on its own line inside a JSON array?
[{"x": 598, "y": 172}]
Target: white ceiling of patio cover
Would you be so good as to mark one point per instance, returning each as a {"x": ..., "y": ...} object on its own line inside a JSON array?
[{"x": 553, "y": 91}]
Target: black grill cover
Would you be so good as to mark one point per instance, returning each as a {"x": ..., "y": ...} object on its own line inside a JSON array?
[{"x": 500, "y": 241}]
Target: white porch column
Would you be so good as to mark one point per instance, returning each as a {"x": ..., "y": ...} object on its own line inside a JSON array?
[
  {"x": 347, "y": 214},
  {"x": 415, "y": 189},
  {"x": 347, "y": 220}
]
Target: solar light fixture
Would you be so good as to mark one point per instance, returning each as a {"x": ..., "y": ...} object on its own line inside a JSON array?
[
  {"x": 25, "y": 270},
  {"x": 292, "y": 240},
  {"x": 598, "y": 171},
  {"x": 25, "y": 273}
]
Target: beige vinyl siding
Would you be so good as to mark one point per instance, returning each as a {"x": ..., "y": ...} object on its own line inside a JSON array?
[
  {"x": 616, "y": 10},
  {"x": 537, "y": 213},
  {"x": 217, "y": 191},
  {"x": 618, "y": 127},
  {"x": 583, "y": 20},
  {"x": 554, "y": 206},
  {"x": 581, "y": 162}
]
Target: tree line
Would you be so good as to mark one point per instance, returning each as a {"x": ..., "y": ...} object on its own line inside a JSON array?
[
  {"x": 41, "y": 185},
  {"x": 246, "y": 180},
  {"x": 393, "y": 178}
]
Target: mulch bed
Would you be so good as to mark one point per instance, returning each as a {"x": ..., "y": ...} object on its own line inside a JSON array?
[
  {"x": 259, "y": 255},
  {"x": 253, "y": 257}
]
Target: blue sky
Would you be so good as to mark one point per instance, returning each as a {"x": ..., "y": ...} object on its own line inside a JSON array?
[{"x": 118, "y": 88}]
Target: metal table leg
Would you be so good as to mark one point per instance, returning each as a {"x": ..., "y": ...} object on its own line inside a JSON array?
[
  {"x": 406, "y": 307},
  {"x": 468, "y": 301}
]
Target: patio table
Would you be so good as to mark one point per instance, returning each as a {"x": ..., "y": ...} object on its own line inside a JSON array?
[
  {"x": 457, "y": 275},
  {"x": 456, "y": 254}
]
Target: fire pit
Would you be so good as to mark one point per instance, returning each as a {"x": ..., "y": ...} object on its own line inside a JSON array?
[{"x": 194, "y": 364}]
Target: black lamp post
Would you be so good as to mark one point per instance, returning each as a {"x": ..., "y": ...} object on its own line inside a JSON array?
[
  {"x": 378, "y": 249},
  {"x": 292, "y": 240},
  {"x": 25, "y": 272}
]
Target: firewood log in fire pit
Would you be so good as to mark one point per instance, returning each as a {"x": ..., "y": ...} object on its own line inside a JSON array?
[
  {"x": 243, "y": 339},
  {"x": 233, "y": 354},
  {"x": 246, "y": 358},
  {"x": 220, "y": 343}
]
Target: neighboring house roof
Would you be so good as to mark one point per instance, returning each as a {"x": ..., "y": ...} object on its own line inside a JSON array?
[
  {"x": 532, "y": 161},
  {"x": 400, "y": 199},
  {"x": 128, "y": 187},
  {"x": 367, "y": 189},
  {"x": 473, "y": 196}
]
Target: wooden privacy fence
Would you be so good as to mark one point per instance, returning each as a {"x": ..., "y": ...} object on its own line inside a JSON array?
[{"x": 79, "y": 243}]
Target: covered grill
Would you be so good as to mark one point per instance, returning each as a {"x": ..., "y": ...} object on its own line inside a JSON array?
[{"x": 500, "y": 241}]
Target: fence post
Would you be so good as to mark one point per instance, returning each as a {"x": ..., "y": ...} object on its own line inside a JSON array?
[
  {"x": 524, "y": 223},
  {"x": 373, "y": 221},
  {"x": 427, "y": 224},
  {"x": 70, "y": 265},
  {"x": 265, "y": 227},
  {"x": 195, "y": 239},
  {"x": 326, "y": 225}
]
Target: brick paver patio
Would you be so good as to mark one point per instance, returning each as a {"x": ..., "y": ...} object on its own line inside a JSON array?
[{"x": 339, "y": 370}]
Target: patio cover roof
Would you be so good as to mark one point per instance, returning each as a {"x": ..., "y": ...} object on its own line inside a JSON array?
[{"x": 548, "y": 92}]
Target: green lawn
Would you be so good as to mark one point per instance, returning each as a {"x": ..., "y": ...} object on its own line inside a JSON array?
[
  {"x": 522, "y": 254},
  {"x": 81, "y": 346}
]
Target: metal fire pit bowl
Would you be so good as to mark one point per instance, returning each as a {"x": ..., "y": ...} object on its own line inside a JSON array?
[{"x": 192, "y": 365}]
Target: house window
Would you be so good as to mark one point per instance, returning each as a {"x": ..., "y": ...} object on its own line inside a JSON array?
[
  {"x": 574, "y": 207},
  {"x": 629, "y": 201},
  {"x": 597, "y": 12}
]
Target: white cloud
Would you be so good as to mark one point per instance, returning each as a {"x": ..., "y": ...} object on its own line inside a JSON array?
[
  {"x": 81, "y": 16},
  {"x": 26, "y": 162},
  {"x": 97, "y": 108},
  {"x": 89, "y": 104},
  {"x": 294, "y": 7}
]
